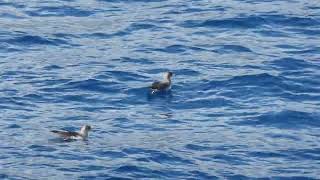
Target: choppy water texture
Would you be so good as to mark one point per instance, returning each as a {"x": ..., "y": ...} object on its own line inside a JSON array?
[{"x": 244, "y": 104}]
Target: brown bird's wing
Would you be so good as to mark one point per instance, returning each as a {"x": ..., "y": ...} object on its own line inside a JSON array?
[
  {"x": 159, "y": 85},
  {"x": 66, "y": 134}
]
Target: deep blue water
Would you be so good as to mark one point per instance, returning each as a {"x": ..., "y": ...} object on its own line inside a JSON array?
[{"x": 245, "y": 102}]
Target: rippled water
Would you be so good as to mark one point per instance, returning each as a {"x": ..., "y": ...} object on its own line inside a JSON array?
[{"x": 244, "y": 104}]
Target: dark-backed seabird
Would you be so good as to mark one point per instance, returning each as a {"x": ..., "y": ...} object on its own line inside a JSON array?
[
  {"x": 68, "y": 135},
  {"x": 162, "y": 85}
]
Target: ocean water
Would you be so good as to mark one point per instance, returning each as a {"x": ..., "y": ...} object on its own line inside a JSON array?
[{"x": 245, "y": 100}]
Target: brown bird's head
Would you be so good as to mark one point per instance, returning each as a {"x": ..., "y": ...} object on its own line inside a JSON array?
[
  {"x": 168, "y": 75},
  {"x": 85, "y": 129}
]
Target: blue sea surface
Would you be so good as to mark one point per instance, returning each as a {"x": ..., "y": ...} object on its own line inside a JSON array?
[{"x": 245, "y": 100}]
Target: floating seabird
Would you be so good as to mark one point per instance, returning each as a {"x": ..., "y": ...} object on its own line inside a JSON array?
[
  {"x": 68, "y": 135},
  {"x": 162, "y": 85}
]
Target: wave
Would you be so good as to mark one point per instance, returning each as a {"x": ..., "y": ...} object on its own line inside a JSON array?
[
  {"x": 198, "y": 103},
  {"x": 131, "y": 1},
  {"x": 125, "y": 76},
  {"x": 12, "y": 4},
  {"x": 263, "y": 80},
  {"x": 132, "y": 60},
  {"x": 41, "y": 148},
  {"x": 264, "y": 85},
  {"x": 232, "y": 48},
  {"x": 127, "y": 31},
  {"x": 253, "y": 22},
  {"x": 47, "y": 11},
  {"x": 10, "y": 16},
  {"x": 92, "y": 85},
  {"x": 110, "y": 154},
  {"x": 28, "y": 40},
  {"x": 165, "y": 158},
  {"x": 285, "y": 119},
  {"x": 178, "y": 48},
  {"x": 293, "y": 64},
  {"x": 101, "y": 35}
]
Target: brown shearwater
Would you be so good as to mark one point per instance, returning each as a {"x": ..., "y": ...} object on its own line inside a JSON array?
[
  {"x": 162, "y": 85},
  {"x": 68, "y": 135}
]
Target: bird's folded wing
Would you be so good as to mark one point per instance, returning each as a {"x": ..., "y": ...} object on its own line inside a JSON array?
[
  {"x": 66, "y": 134},
  {"x": 159, "y": 85}
]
